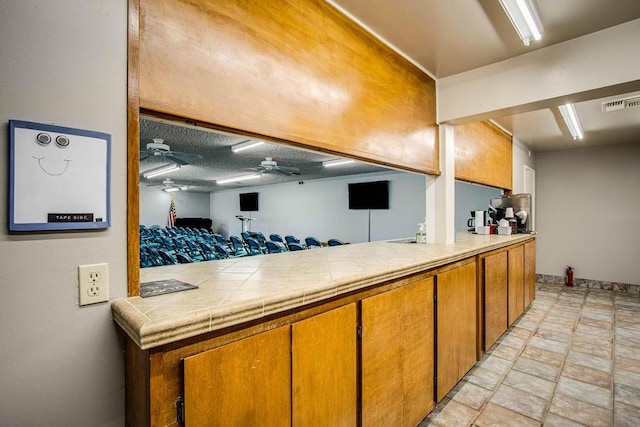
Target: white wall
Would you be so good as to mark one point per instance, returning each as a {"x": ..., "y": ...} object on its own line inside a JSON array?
[
  {"x": 522, "y": 156},
  {"x": 589, "y": 213},
  {"x": 320, "y": 208},
  {"x": 63, "y": 62},
  {"x": 155, "y": 203}
]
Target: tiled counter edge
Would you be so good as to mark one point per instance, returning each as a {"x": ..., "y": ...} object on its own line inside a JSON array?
[{"x": 149, "y": 333}]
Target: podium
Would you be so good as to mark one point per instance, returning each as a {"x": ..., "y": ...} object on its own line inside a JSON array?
[{"x": 245, "y": 222}]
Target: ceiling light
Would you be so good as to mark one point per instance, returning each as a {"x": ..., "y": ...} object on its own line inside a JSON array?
[
  {"x": 171, "y": 189},
  {"x": 336, "y": 162},
  {"x": 161, "y": 170},
  {"x": 238, "y": 178},
  {"x": 571, "y": 119},
  {"x": 525, "y": 19},
  {"x": 245, "y": 145}
]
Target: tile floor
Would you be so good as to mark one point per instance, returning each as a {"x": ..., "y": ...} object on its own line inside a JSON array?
[{"x": 572, "y": 359}]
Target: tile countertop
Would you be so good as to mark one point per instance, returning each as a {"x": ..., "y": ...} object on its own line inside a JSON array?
[{"x": 242, "y": 289}]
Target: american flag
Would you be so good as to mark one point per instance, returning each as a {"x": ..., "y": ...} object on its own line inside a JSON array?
[{"x": 171, "y": 221}]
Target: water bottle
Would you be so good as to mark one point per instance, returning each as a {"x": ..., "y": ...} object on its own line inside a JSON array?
[{"x": 421, "y": 235}]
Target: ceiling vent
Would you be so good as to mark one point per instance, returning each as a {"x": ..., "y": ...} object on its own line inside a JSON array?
[{"x": 620, "y": 104}]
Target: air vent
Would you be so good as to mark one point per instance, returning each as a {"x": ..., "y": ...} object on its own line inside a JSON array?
[{"x": 620, "y": 104}]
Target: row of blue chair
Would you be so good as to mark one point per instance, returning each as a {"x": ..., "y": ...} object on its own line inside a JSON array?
[{"x": 178, "y": 245}]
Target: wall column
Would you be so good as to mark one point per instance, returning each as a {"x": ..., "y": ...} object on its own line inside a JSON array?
[{"x": 441, "y": 192}]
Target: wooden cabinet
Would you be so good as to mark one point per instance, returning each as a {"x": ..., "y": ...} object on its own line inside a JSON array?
[
  {"x": 397, "y": 356},
  {"x": 456, "y": 325},
  {"x": 242, "y": 383},
  {"x": 324, "y": 369},
  {"x": 495, "y": 297},
  {"x": 306, "y": 367},
  {"x": 516, "y": 283},
  {"x": 529, "y": 273}
]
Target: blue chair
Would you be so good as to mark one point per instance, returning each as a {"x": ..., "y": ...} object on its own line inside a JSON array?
[
  {"x": 289, "y": 239},
  {"x": 207, "y": 251},
  {"x": 238, "y": 247},
  {"x": 183, "y": 258},
  {"x": 296, "y": 247},
  {"x": 254, "y": 246},
  {"x": 223, "y": 252},
  {"x": 275, "y": 247},
  {"x": 312, "y": 242},
  {"x": 335, "y": 242},
  {"x": 167, "y": 258},
  {"x": 261, "y": 240},
  {"x": 276, "y": 238}
]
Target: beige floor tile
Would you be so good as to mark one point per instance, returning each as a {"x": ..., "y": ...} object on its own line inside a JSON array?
[
  {"x": 455, "y": 414},
  {"x": 625, "y": 415},
  {"x": 628, "y": 364},
  {"x": 539, "y": 369},
  {"x": 629, "y": 378},
  {"x": 521, "y": 402},
  {"x": 544, "y": 356},
  {"x": 520, "y": 332},
  {"x": 582, "y": 412},
  {"x": 506, "y": 352},
  {"x": 585, "y": 392},
  {"x": 633, "y": 343},
  {"x": 497, "y": 416},
  {"x": 495, "y": 364},
  {"x": 626, "y": 351},
  {"x": 588, "y": 375},
  {"x": 627, "y": 394},
  {"x": 590, "y": 361},
  {"x": 545, "y": 344},
  {"x": 553, "y": 420},
  {"x": 600, "y": 332},
  {"x": 553, "y": 335},
  {"x": 472, "y": 395},
  {"x": 597, "y": 323},
  {"x": 484, "y": 378},
  {"x": 604, "y": 351},
  {"x": 530, "y": 384}
]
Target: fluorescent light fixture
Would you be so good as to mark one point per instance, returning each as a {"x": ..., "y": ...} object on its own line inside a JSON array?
[
  {"x": 245, "y": 145},
  {"x": 525, "y": 19},
  {"x": 161, "y": 170},
  {"x": 571, "y": 119},
  {"x": 238, "y": 178},
  {"x": 336, "y": 162}
]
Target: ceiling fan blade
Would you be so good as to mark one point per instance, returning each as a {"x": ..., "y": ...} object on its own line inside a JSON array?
[
  {"x": 288, "y": 170},
  {"x": 144, "y": 155},
  {"x": 183, "y": 158}
]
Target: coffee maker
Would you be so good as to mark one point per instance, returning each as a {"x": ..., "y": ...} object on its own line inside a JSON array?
[
  {"x": 520, "y": 205},
  {"x": 477, "y": 220}
]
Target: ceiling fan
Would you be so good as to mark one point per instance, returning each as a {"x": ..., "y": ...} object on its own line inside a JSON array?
[
  {"x": 169, "y": 185},
  {"x": 158, "y": 148},
  {"x": 268, "y": 165}
]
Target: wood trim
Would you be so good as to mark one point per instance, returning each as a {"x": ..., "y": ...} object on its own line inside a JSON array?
[
  {"x": 483, "y": 155},
  {"x": 133, "y": 150}
]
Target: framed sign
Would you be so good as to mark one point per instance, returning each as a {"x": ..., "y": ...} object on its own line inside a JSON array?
[{"x": 59, "y": 177}]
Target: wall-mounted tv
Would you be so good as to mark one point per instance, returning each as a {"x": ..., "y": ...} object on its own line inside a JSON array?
[
  {"x": 249, "y": 202},
  {"x": 369, "y": 195}
]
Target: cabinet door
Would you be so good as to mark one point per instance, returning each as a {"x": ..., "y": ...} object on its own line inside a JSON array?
[
  {"x": 397, "y": 356},
  {"x": 324, "y": 369},
  {"x": 529, "y": 273},
  {"x": 456, "y": 326},
  {"x": 495, "y": 297},
  {"x": 247, "y": 382},
  {"x": 516, "y": 283}
]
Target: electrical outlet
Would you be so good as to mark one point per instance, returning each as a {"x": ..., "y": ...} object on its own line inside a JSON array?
[{"x": 93, "y": 280}]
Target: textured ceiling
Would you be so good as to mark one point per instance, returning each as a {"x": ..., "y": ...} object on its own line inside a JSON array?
[{"x": 218, "y": 161}]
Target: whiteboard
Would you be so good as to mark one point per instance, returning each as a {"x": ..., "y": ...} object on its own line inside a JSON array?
[{"x": 59, "y": 177}]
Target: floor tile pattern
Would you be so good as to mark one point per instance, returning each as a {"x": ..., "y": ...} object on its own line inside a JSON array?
[{"x": 572, "y": 359}]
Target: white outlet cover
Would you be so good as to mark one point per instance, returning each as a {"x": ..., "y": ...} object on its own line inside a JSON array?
[{"x": 93, "y": 283}]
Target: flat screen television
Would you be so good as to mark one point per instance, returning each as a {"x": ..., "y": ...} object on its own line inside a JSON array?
[
  {"x": 369, "y": 195},
  {"x": 249, "y": 202}
]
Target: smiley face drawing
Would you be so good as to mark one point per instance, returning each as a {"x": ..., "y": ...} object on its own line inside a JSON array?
[
  {"x": 58, "y": 171},
  {"x": 45, "y": 139}
]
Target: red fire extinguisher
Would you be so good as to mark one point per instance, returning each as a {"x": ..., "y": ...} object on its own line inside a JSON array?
[{"x": 568, "y": 277}]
